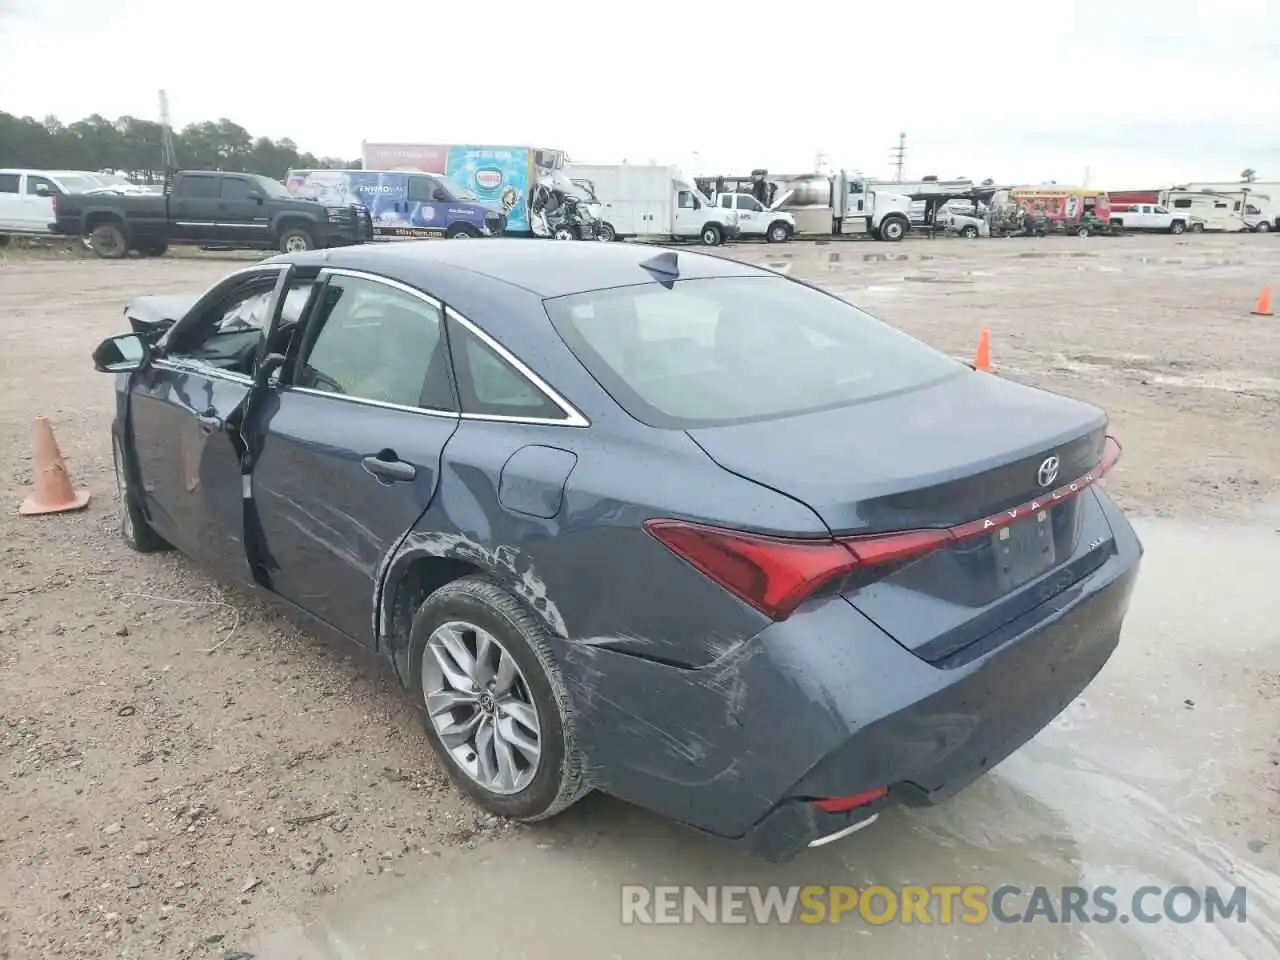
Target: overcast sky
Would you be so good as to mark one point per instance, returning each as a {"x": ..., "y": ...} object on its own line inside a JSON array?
[{"x": 1137, "y": 92}]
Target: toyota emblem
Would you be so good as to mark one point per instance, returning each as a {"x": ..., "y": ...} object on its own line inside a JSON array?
[{"x": 1048, "y": 471}]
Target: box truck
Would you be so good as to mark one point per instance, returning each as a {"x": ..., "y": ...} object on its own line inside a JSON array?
[{"x": 653, "y": 203}]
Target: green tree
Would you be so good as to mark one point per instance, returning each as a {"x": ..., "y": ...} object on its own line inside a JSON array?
[
  {"x": 1248, "y": 175},
  {"x": 134, "y": 147}
]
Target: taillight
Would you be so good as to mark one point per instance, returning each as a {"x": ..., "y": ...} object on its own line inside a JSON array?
[
  {"x": 776, "y": 574},
  {"x": 55, "y": 204}
]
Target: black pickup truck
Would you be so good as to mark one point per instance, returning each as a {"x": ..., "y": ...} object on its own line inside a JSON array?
[{"x": 210, "y": 209}]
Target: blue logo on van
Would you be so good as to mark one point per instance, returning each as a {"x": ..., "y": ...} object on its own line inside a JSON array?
[{"x": 489, "y": 178}]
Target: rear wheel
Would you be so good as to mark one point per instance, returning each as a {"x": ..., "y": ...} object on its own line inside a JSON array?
[
  {"x": 494, "y": 702},
  {"x": 134, "y": 528},
  {"x": 712, "y": 235},
  {"x": 108, "y": 242},
  {"x": 565, "y": 233},
  {"x": 1197, "y": 228},
  {"x": 296, "y": 240},
  {"x": 1262, "y": 227},
  {"x": 1082, "y": 231},
  {"x": 1177, "y": 226}
]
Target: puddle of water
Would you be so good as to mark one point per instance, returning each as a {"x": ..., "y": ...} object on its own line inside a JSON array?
[{"x": 1123, "y": 789}]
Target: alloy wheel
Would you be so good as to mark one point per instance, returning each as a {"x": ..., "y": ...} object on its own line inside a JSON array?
[{"x": 479, "y": 704}]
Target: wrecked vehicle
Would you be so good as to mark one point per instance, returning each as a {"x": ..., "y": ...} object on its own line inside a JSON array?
[{"x": 668, "y": 526}]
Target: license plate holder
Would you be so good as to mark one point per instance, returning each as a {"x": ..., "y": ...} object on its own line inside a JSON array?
[{"x": 1024, "y": 550}]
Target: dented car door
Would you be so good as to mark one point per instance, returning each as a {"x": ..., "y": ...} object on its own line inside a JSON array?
[
  {"x": 348, "y": 445},
  {"x": 184, "y": 409}
]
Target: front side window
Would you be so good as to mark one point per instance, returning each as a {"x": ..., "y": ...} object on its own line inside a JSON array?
[
  {"x": 228, "y": 333},
  {"x": 233, "y": 188},
  {"x": 684, "y": 200},
  {"x": 422, "y": 190},
  {"x": 372, "y": 341},
  {"x": 738, "y": 349},
  {"x": 34, "y": 184}
]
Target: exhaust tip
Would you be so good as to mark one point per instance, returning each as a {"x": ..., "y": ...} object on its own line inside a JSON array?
[{"x": 841, "y": 834}]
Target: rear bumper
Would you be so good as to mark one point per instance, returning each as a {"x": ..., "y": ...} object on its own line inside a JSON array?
[{"x": 826, "y": 705}]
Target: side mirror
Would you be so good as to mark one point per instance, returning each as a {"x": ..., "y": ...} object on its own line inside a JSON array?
[
  {"x": 697, "y": 204},
  {"x": 42, "y": 189},
  {"x": 256, "y": 197},
  {"x": 122, "y": 354},
  {"x": 269, "y": 365}
]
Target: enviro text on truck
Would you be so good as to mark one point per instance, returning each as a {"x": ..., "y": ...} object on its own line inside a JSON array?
[{"x": 235, "y": 211}]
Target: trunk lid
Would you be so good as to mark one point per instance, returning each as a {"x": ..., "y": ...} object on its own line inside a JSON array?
[{"x": 966, "y": 448}]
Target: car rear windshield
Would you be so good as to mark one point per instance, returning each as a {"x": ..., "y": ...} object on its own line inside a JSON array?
[{"x": 708, "y": 352}]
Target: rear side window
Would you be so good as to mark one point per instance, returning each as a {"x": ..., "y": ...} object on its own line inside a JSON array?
[
  {"x": 9, "y": 182},
  {"x": 491, "y": 387},
  {"x": 738, "y": 349},
  {"x": 198, "y": 188}
]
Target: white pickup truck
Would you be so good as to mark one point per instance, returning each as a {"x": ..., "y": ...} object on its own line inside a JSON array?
[
  {"x": 1149, "y": 216},
  {"x": 757, "y": 220}
]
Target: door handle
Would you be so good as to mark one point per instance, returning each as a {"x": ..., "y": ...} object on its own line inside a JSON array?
[
  {"x": 386, "y": 467},
  {"x": 209, "y": 422}
]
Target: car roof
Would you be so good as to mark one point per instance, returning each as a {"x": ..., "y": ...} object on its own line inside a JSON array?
[{"x": 546, "y": 268}]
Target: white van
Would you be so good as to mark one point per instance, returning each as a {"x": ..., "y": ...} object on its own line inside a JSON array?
[{"x": 27, "y": 198}]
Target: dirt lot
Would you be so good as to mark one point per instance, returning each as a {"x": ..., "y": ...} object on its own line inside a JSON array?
[{"x": 160, "y": 800}]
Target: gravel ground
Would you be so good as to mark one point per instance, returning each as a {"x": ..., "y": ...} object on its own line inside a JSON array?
[{"x": 161, "y": 800}]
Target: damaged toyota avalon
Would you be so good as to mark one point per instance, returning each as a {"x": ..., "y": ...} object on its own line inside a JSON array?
[{"x": 648, "y": 522}]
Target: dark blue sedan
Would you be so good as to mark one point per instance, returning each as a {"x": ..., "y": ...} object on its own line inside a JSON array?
[{"x": 627, "y": 519}]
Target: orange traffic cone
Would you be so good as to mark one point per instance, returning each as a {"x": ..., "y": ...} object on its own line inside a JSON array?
[
  {"x": 1263, "y": 307},
  {"x": 51, "y": 491},
  {"x": 982, "y": 359}
]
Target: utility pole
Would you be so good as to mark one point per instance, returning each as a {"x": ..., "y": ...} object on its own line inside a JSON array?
[
  {"x": 170, "y": 156},
  {"x": 898, "y": 156}
]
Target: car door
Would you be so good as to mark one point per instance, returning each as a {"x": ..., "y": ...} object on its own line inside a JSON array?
[
  {"x": 349, "y": 444},
  {"x": 182, "y": 421},
  {"x": 688, "y": 219},
  {"x": 241, "y": 211},
  {"x": 11, "y": 207},
  {"x": 193, "y": 207},
  {"x": 427, "y": 216},
  {"x": 750, "y": 214},
  {"x": 37, "y": 203}
]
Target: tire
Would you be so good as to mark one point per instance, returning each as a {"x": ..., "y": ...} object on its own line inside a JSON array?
[
  {"x": 893, "y": 229},
  {"x": 462, "y": 231},
  {"x": 1197, "y": 228},
  {"x": 154, "y": 249},
  {"x": 1082, "y": 231},
  {"x": 607, "y": 233},
  {"x": 1262, "y": 227},
  {"x": 134, "y": 528},
  {"x": 565, "y": 233},
  {"x": 778, "y": 232},
  {"x": 712, "y": 235},
  {"x": 556, "y": 780},
  {"x": 1177, "y": 226},
  {"x": 296, "y": 240},
  {"x": 108, "y": 242},
  {"x": 970, "y": 232}
]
